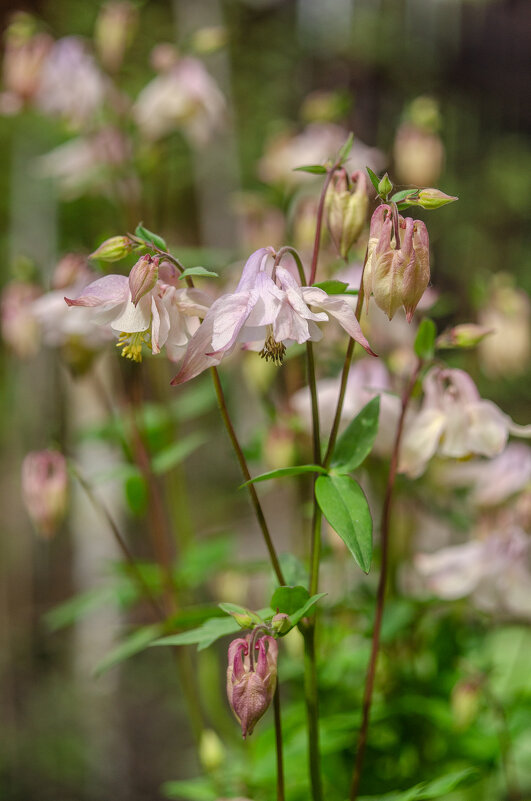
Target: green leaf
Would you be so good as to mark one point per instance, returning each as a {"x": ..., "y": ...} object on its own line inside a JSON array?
[
  {"x": 345, "y": 507},
  {"x": 149, "y": 237},
  {"x": 375, "y": 181},
  {"x": 300, "y": 613},
  {"x": 289, "y": 600},
  {"x": 404, "y": 193},
  {"x": 282, "y": 472},
  {"x": 78, "y": 607},
  {"x": 428, "y": 790},
  {"x": 356, "y": 442},
  {"x": 133, "y": 644},
  {"x": 344, "y": 152},
  {"x": 204, "y": 635},
  {"x": 332, "y": 287},
  {"x": 425, "y": 339},
  {"x": 176, "y": 453},
  {"x": 235, "y": 609},
  {"x": 315, "y": 169},
  {"x": 198, "y": 271}
]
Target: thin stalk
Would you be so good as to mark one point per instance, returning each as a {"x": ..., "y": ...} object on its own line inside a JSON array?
[
  {"x": 278, "y": 744},
  {"x": 102, "y": 510},
  {"x": 310, "y": 692},
  {"x": 319, "y": 222},
  {"x": 245, "y": 470},
  {"x": 382, "y": 582}
]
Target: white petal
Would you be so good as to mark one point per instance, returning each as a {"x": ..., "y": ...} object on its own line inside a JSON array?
[
  {"x": 227, "y": 315},
  {"x": 110, "y": 290},
  {"x": 339, "y": 309},
  {"x": 420, "y": 441},
  {"x": 134, "y": 319},
  {"x": 452, "y": 572}
]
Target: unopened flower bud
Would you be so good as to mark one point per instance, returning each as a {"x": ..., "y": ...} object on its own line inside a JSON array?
[
  {"x": 251, "y": 678},
  {"x": 113, "y": 32},
  {"x": 466, "y": 335},
  {"x": 281, "y": 623},
  {"x": 113, "y": 249},
  {"x": 465, "y": 702},
  {"x": 433, "y": 199},
  {"x": 45, "y": 489},
  {"x": 385, "y": 187},
  {"x": 346, "y": 211},
  {"x": 211, "y": 751},
  {"x": 397, "y": 274},
  {"x": 143, "y": 277}
]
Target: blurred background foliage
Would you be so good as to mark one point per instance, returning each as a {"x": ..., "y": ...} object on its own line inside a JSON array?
[{"x": 453, "y": 691}]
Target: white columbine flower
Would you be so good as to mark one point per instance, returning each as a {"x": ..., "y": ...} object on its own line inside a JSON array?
[
  {"x": 454, "y": 422},
  {"x": 265, "y": 313}
]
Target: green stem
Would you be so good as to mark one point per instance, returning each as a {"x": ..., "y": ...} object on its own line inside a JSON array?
[
  {"x": 382, "y": 582},
  {"x": 310, "y": 691},
  {"x": 278, "y": 744},
  {"x": 245, "y": 470},
  {"x": 319, "y": 222}
]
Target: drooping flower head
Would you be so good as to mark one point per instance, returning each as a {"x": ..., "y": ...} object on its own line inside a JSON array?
[
  {"x": 251, "y": 678},
  {"x": 44, "y": 490},
  {"x": 145, "y": 308},
  {"x": 397, "y": 272},
  {"x": 268, "y": 311}
]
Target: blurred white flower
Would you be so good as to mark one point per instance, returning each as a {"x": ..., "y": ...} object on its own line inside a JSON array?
[
  {"x": 71, "y": 84},
  {"x": 454, "y": 422},
  {"x": 316, "y": 144},
  {"x": 184, "y": 98},
  {"x": 508, "y": 315},
  {"x": 493, "y": 569}
]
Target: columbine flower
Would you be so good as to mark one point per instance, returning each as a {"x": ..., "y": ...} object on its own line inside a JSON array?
[
  {"x": 267, "y": 314},
  {"x": 251, "y": 678},
  {"x": 493, "y": 569},
  {"x": 455, "y": 422},
  {"x": 44, "y": 489},
  {"x": 164, "y": 316}
]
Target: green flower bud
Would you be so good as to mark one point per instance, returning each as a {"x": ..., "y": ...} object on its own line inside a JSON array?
[
  {"x": 211, "y": 751},
  {"x": 385, "y": 187},
  {"x": 466, "y": 335},
  {"x": 281, "y": 623},
  {"x": 433, "y": 199},
  {"x": 113, "y": 249}
]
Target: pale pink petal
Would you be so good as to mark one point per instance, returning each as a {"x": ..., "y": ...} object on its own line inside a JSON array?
[
  {"x": 487, "y": 430},
  {"x": 254, "y": 265},
  {"x": 227, "y": 315},
  {"x": 198, "y": 356},
  {"x": 160, "y": 324},
  {"x": 192, "y": 302},
  {"x": 453, "y": 572},
  {"x": 339, "y": 309},
  {"x": 109, "y": 290},
  {"x": 420, "y": 441},
  {"x": 264, "y": 301},
  {"x": 288, "y": 325}
]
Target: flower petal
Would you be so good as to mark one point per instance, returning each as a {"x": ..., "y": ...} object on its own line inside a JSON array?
[
  {"x": 134, "y": 319},
  {"x": 109, "y": 290},
  {"x": 253, "y": 266},
  {"x": 339, "y": 309}
]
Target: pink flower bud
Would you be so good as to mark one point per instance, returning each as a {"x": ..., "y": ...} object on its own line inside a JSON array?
[
  {"x": 397, "y": 275},
  {"x": 346, "y": 210},
  {"x": 251, "y": 678},
  {"x": 45, "y": 490},
  {"x": 143, "y": 277}
]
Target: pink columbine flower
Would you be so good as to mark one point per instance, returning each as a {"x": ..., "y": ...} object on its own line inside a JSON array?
[
  {"x": 454, "y": 422},
  {"x": 163, "y": 316},
  {"x": 44, "y": 490},
  {"x": 251, "y": 678},
  {"x": 266, "y": 314}
]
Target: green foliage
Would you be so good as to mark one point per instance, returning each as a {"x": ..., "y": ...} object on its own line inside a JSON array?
[
  {"x": 284, "y": 472},
  {"x": 150, "y": 238},
  {"x": 203, "y": 636},
  {"x": 345, "y": 506},
  {"x": 425, "y": 339},
  {"x": 200, "y": 272},
  {"x": 356, "y": 442}
]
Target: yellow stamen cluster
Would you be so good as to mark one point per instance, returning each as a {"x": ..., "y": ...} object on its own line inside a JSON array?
[
  {"x": 273, "y": 351},
  {"x": 131, "y": 344}
]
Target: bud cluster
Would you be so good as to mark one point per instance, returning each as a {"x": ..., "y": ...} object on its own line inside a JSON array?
[{"x": 251, "y": 677}]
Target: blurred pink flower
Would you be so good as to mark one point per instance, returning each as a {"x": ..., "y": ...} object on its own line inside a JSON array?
[
  {"x": 264, "y": 313},
  {"x": 24, "y": 56},
  {"x": 186, "y": 97},
  {"x": 44, "y": 490},
  {"x": 251, "y": 680},
  {"x": 493, "y": 569},
  {"x": 20, "y": 328},
  {"x": 165, "y": 316},
  {"x": 455, "y": 422}
]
